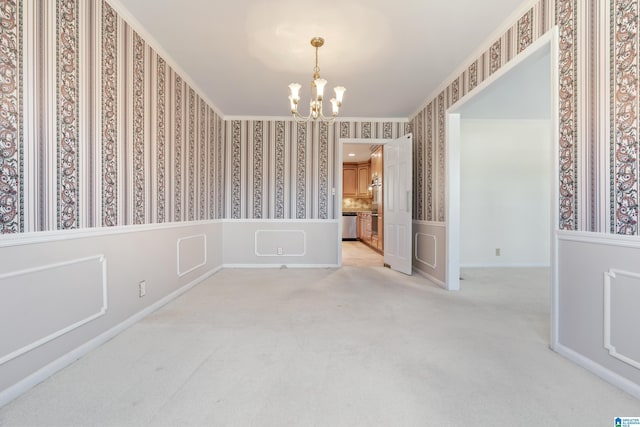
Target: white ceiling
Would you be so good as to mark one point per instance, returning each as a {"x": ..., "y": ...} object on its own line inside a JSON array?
[
  {"x": 389, "y": 55},
  {"x": 361, "y": 152}
]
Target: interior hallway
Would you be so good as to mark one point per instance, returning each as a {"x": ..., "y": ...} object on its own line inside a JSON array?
[{"x": 332, "y": 347}]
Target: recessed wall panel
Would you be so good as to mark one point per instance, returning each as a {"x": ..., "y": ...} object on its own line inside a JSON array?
[
  {"x": 192, "y": 253},
  {"x": 44, "y": 302}
]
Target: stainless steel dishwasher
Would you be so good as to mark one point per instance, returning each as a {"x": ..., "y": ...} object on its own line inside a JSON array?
[{"x": 349, "y": 221}]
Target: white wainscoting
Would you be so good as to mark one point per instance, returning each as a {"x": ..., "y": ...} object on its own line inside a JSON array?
[
  {"x": 597, "y": 292},
  {"x": 303, "y": 243},
  {"x": 426, "y": 249},
  {"x": 621, "y": 308},
  {"x": 191, "y": 253},
  {"x": 64, "y": 293},
  {"x": 429, "y": 241},
  {"x": 63, "y": 296},
  {"x": 280, "y": 243}
]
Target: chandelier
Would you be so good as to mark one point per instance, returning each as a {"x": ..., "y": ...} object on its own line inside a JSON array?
[{"x": 315, "y": 104}]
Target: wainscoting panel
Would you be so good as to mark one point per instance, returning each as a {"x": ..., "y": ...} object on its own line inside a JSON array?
[
  {"x": 425, "y": 249},
  {"x": 44, "y": 302},
  {"x": 304, "y": 243},
  {"x": 429, "y": 244},
  {"x": 281, "y": 243},
  {"x": 621, "y": 300},
  {"x": 192, "y": 253},
  {"x": 64, "y": 293},
  {"x": 598, "y": 292}
]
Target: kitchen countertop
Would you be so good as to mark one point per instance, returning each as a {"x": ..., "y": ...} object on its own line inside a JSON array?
[{"x": 353, "y": 213}]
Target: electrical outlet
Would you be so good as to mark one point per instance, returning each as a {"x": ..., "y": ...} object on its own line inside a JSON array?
[
  {"x": 497, "y": 251},
  {"x": 142, "y": 288},
  {"x": 279, "y": 251}
]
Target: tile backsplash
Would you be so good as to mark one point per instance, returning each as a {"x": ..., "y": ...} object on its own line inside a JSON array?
[{"x": 354, "y": 204}]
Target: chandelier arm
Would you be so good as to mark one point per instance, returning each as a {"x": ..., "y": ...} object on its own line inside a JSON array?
[
  {"x": 326, "y": 119},
  {"x": 299, "y": 118}
]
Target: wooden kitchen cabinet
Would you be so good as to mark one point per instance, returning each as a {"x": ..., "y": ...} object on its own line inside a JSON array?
[
  {"x": 349, "y": 180},
  {"x": 364, "y": 180},
  {"x": 356, "y": 178},
  {"x": 380, "y": 232},
  {"x": 364, "y": 227}
]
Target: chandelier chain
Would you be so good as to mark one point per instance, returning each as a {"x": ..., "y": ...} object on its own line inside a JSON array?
[{"x": 316, "y": 69}]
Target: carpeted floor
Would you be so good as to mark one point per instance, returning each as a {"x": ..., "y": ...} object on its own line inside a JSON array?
[{"x": 333, "y": 347}]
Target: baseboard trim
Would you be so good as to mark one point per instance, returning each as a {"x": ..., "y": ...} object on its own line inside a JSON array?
[
  {"x": 534, "y": 265},
  {"x": 14, "y": 391},
  {"x": 253, "y": 266},
  {"x": 606, "y": 374},
  {"x": 430, "y": 277}
]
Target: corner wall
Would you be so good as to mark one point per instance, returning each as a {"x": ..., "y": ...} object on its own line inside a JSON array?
[
  {"x": 100, "y": 129},
  {"x": 597, "y": 163},
  {"x": 429, "y": 130},
  {"x": 63, "y": 294}
]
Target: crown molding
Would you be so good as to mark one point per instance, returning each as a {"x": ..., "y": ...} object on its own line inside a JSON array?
[{"x": 338, "y": 119}]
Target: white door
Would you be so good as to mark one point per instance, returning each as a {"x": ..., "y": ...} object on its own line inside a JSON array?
[{"x": 398, "y": 204}]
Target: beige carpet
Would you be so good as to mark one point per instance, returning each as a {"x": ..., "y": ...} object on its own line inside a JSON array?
[{"x": 327, "y": 347}]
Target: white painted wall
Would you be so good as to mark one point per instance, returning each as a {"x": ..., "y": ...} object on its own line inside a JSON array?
[
  {"x": 274, "y": 243},
  {"x": 505, "y": 192}
]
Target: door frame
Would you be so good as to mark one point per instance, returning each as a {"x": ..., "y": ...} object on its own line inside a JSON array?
[
  {"x": 452, "y": 160},
  {"x": 338, "y": 181}
]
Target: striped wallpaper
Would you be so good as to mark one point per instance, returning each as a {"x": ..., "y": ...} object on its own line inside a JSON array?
[
  {"x": 285, "y": 170},
  {"x": 116, "y": 137},
  {"x": 131, "y": 143},
  {"x": 599, "y": 82},
  {"x": 429, "y": 123}
]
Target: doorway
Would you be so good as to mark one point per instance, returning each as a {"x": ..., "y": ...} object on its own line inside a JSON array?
[
  {"x": 360, "y": 201},
  {"x": 523, "y": 90}
]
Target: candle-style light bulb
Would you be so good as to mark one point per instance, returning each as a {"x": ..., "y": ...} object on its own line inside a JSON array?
[
  {"x": 319, "y": 84},
  {"x": 294, "y": 106},
  {"x": 295, "y": 91},
  {"x": 339, "y": 90},
  {"x": 335, "y": 107}
]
